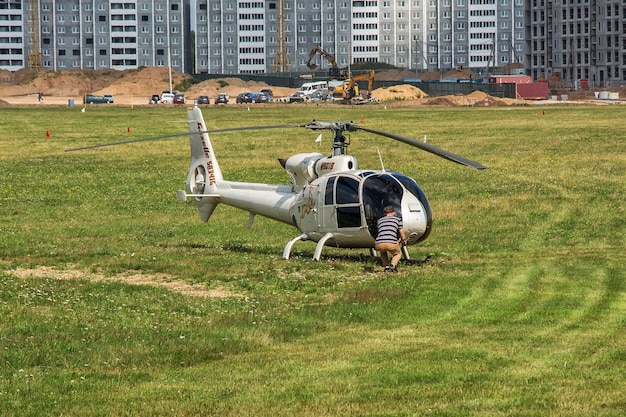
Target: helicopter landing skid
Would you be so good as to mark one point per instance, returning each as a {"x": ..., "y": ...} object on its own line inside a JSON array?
[
  {"x": 287, "y": 250},
  {"x": 320, "y": 246},
  {"x": 304, "y": 236}
]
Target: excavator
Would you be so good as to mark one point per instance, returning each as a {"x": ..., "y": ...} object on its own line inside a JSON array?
[
  {"x": 348, "y": 93},
  {"x": 334, "y": 71}
]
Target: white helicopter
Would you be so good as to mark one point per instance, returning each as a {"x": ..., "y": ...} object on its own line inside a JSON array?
[{"x": 330, "y": 200}]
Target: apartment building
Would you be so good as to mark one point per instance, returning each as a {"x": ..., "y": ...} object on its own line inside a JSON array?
[
  {"x": 581, "y": 42},
  {"x": 236, "y": 36},
  {"x": 13, "y": 35},
  {"x": 97, "y": 34}
]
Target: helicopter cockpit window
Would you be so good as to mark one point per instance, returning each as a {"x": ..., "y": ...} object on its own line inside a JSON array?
[
  {"x": 330, "y": 187},
  {"x": 380, "y": 191},
  {"x": 410, "y": 184},
  {"x": 348, "y": 203},
  {"x": 347, "y": 190}
]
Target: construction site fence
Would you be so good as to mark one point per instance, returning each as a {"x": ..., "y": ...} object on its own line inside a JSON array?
[{"x": 432, "y": 88}]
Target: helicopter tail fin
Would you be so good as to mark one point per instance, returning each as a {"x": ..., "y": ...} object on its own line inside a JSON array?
[
  {"x": 204, "y": 171},
  {"x": 201, "y": 147}
]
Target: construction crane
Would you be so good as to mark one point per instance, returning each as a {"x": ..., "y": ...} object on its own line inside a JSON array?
[
  {"x": 334, "y": 71},
  {"x": 281, "y": 60},
  {"x": 34, "y": 54}
]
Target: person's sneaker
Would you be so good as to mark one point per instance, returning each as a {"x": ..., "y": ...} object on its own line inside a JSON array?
[
  {"x": 387, "y": 268},
  {"x": 393, "y": 268}
]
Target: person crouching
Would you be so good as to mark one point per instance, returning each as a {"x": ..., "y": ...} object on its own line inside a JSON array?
[{"x": 390, "y": 236}]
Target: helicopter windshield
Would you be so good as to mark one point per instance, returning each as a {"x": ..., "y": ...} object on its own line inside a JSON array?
[
  {"x": 410, "y": 184},
  {"x": 380, "y": 190}
]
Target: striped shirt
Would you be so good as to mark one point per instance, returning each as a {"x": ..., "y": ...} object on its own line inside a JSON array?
[{"x": 388, "y": 227}]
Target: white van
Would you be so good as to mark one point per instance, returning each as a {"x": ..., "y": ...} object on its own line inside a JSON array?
[
  {"x": 309, "y": 88},
  {"x": 167, "y": 97}
]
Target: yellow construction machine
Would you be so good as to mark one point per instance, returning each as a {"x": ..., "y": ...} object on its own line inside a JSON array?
[
  {"x": 348, "y": 93},
  {"x": 334, "y": 71}
]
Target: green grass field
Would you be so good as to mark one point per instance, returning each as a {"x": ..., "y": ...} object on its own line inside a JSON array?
[{"x": 521, "y": 312}]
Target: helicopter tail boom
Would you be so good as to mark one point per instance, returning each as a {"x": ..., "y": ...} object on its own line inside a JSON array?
[{"x": 206, "y": 185}]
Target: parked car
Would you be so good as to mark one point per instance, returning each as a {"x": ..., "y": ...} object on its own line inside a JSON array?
[
  {"x": 262, "y": 98},
  {"x": 155, "y": 99},
  {"x": 297, "y": 97},
  {"x": 256, "y": 97},
  {"x": 268, "y": 92},
  {"x": 203, "y": 100},
  {"x": 179, "y": 99},
  {"x": 167, "y": 97},
  {"x": 109, "y": 98},
  {"x": 320, "y": 95},
  {"x": 94, "y": 99},
  {"x": 243, "y": 98},
  {"x": 221, "y": 98}
]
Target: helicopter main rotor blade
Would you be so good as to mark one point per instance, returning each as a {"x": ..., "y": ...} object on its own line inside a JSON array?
[
  {"x": 176, "y": 135},
  {"x": 424, "y": 146}
]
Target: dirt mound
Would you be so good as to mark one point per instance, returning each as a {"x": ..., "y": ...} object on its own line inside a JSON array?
[
  {"x": 17, "y": 77},
  {"x": 143, "y": 82},
  {"x": 398, "y": 92},
  {"x": 430, "y": 76},
  {"x": 460, "y": 74},
  {"x": 395, "y": 75},
  {"x": 137, "y": 83},
  {"x": 233, "y": 87},
  {"x": 64, "y": 83},
  {"x": 475, "y": 98}
]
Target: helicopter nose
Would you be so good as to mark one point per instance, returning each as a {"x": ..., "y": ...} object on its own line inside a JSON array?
[{"x": 416, "y": 222}]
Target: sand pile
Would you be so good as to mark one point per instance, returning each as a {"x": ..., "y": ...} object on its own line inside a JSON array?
[
  {"x": 233, "y": 87},
  {"x": 71, "y": 83},
  {"x": 398, "y": 92},
  {"x": 142, "y": 82}
]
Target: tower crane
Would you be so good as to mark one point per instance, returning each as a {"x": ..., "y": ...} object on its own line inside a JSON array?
[
  {"x": 281, "y": 60},
  {"x": 34, "y": 53}
]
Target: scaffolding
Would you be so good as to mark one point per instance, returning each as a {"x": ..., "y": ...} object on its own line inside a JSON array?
[
  {"x": 34, "y": 52},
  {"x": 281, "y": 60}
]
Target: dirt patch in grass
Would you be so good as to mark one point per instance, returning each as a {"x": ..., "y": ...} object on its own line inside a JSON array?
[{"x": 157, "y": 280}]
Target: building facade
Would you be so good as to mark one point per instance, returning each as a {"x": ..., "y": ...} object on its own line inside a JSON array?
[
  {"x": 98, "y": 34},
  {"x": 580, "y": 42},
  {"x": 13, "y": 35},
  {"x": 235, "y": 36}
]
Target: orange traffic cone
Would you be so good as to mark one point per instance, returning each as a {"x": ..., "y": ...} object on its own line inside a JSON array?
[
  {"x": 47, "y": 133},
  {"x": 128, "y": 129}
]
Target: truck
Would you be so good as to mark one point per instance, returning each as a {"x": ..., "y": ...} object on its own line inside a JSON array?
[{"x": 94, "y": 99}]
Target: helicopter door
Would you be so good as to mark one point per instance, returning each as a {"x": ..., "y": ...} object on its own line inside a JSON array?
[
  {"x": 347, "y": 203},
  {"x": 380, "y": 190},
  {"x": 328, "y": 217}
]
